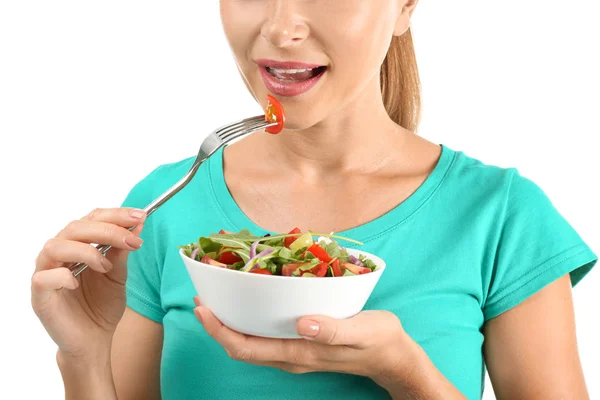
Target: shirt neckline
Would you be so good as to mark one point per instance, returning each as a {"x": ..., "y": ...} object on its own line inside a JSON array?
[{"x": 365, "y": 232}]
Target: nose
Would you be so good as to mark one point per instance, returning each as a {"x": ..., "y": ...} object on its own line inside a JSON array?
[{"x": 284, "y": 27}]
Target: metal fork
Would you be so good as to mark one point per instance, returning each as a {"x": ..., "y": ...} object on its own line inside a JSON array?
[{"x": 210, "y": 145}]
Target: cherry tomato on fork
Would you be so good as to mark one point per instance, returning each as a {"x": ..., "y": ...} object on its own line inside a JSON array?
[{"x": 274, "y": 113}]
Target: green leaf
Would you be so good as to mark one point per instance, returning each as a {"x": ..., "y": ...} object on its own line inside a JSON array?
[
  {"x": 286, "y": 253},
  {"x": 271, "y": 266},
  {"x": 369, "y": 264},
  {"x": 348, "y": 273},
  {"x": 333, "y": 249},
  {"x": 238, "y": 265},
  {"x": 244, "y": 254},
  {"x": 310, "y": 266},
  {"x": 344, "y": 256},
  {"x": 277, "y": 242},
  {"x": 209, "y": 246},
  {"x": 228, "y": 241}
]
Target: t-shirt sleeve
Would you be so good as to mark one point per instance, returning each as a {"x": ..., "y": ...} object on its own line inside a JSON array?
[
  {"x": 143, "y": 266},
  {"x": 536, "y": 247}
]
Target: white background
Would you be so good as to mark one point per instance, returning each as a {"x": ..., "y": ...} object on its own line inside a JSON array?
[{"x": 94, "y": 95}]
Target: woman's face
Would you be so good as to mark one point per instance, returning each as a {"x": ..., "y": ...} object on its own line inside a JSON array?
[{"x": 315, "y": 56}]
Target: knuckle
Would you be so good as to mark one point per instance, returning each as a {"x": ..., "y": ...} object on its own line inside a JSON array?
[
  {"x": 333, "y": 334},
  {"x": 50, "y": 246},
  {"x": 37, "y": 282},
  {"x": 109, "y": 230},
  {"x": 296, "y": 357},
  {"x": 241, "y": 354},
  {"x": 72, "y": 227},
  {"x": 93, "y": 214}
]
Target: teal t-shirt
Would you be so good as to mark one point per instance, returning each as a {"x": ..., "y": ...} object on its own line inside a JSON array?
[{"x": 473, "y": 241}]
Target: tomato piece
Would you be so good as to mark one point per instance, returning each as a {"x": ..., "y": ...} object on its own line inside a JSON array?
[
  {"x": 210, "y": 261},
  {"x": 274, "y": 113},
  {"x": 320, "y": 253},
  {"x": 319, "y": 270},
  {"x": 337, "y": 270},
  {"x": 224, "y": 232},
  {"x": 229, "y": 257},
  {"x": 291, "y": 239},
  {"x": 288, "y": 269},
  {"x": 355, "y": 269},
  {"x": 261, "y": 271}
]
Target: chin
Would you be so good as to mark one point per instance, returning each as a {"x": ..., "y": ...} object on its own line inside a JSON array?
[{"x": 300, "y": 118}]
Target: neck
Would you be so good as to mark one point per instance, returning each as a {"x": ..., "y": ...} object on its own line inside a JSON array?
[{"x": 361, "y": 136}]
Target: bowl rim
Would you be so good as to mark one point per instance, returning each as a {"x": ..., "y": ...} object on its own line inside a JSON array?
[{"x": 378, "y": 271}]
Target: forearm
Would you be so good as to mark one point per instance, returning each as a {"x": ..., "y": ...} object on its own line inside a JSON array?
[
  {"x": 85, "y": 379},
  {"x": 420, "y": 381}
]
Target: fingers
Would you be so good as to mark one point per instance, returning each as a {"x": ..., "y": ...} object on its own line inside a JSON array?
[
  {"x": 358, "y": 331},
  {"x": 58, "y": 251},
  {"x": 89, "y": 231},
  {"x": 44, "y": 283},
  {"x": 102, "y": 226},
  {"x": 240, "y": 347},
  {"x": 123, "y": 216}
]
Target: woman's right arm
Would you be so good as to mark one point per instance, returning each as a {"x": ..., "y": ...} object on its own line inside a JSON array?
[
  {"x": 130, "y": 369},
  {"x": 105, "y": 350}
]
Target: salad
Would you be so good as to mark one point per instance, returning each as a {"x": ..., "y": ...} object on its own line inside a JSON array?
[{"x": 295, "y": 254}]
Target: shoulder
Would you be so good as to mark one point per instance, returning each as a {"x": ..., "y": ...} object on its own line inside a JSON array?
[
  {"x": 480, "y": 178},
  {"x": 156, "y": 181}
]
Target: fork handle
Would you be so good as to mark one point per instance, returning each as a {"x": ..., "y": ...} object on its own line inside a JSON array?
[{"x": 78, "y": 268}]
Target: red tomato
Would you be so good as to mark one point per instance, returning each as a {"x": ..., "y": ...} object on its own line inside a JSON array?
[
  {"x": 288, "y": 269},
  {"x": 335, "y": 266},
  {"x": 224, "y": 232},
  {"x": 289, "y": 240},
  {"x": 355, "y": 269},
  {"x": 229, "y": 258},
  {"x": 319, "y": 270},
  {"x": 274, "y": 113},
  {"x": 320, "y": 253},
  {"x": 261, "y": 271}
]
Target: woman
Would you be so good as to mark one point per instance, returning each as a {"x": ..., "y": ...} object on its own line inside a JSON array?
[{"x": 480, "y": 264}]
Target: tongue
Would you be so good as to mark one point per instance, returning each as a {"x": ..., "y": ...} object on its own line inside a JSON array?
[{"x": 300, "y": 76}]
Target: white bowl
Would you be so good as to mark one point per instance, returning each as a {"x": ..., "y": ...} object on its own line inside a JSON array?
[{"x": 269, "y": 305}]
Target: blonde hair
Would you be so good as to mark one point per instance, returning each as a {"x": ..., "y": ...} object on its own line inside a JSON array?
[{"x": 400, "y": 83}]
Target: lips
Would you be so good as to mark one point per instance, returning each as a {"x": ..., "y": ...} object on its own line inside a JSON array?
[{"x": 290, "y": 78}]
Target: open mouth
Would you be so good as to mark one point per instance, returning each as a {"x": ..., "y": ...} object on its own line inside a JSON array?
[
  {"x": 290, "y": 78},
  {"x": 295, "y": 75}
]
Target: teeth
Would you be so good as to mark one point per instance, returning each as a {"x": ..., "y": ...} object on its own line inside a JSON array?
[{"x": 290, "y": 71}]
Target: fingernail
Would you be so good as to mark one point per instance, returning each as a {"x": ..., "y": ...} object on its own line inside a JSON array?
[
  {"x": 197, "y": 312},
  {"x": 76, "y": 283},
  {"x": 133, "y": 241},
  {"x": 197, "y": 301},
  {"x": 137, "y": 214},
  {"x": 308, "y": 328},
  {"x": 106, "y": 264}
]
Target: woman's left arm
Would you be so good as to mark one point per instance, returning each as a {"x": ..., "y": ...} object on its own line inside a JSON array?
[
  {"x": 371, "y": 344},
  {"x": 531, "y": 350}
]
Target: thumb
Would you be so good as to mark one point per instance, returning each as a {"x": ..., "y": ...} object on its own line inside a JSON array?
[
  {"x": 350, "y": 332},
  {"x": 118, "y": 257}
]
